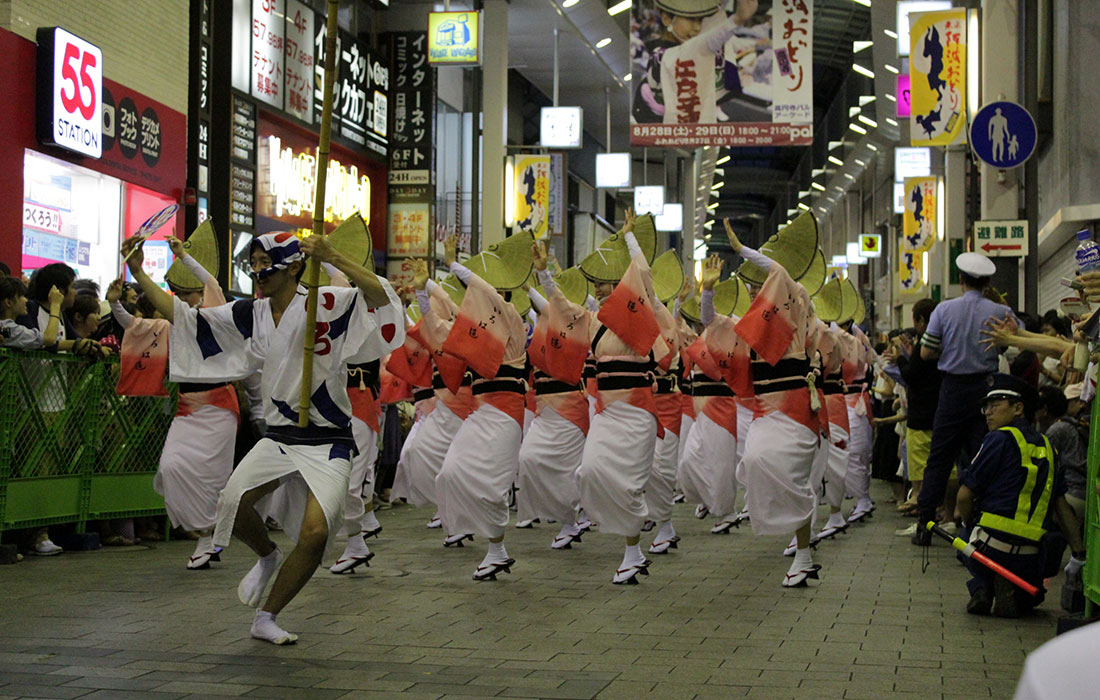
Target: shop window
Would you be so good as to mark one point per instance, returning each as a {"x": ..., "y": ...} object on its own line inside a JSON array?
[{"x": 70, "y": 215}]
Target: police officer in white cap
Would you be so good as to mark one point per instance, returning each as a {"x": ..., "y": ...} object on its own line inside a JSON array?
[{"x": 954, "y": 340}]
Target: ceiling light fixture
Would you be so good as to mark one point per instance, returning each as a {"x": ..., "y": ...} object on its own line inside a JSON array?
[
  {"x": 861, "y": 163},
  {"x": 717, "y": 185},
  {"x": 890, "y": 33},
  {"x": 866, "y": 99},
  {"x": 864, "y": 71},
  {"x": 803, "y": 207},
  {"x": 858, "y": 46},
  {"x": 891, "y": 122},
  {"x": 628, "y": 77},
  {"x": 570, "y": 3},
  {"x": 890, "y": 68},
  {"x": 891, "y": 97},
  {"x": 836, "y": 161},
  {"x": 872, "y": 146},
  {"x": 723, "y": 159},
  {"x": 619, "y": 7},
  {"x": 818, "y": 186},
  {"x": 712, "y": 207},
  {"x": 868, "y": 121},
  {"x": 865, "y": 3},
  {"x": 603, "y": 42},
  {"x": 857, "y": 128}
]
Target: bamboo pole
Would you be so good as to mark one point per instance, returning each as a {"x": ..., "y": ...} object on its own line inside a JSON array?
[{"x": 312, "y": 266}]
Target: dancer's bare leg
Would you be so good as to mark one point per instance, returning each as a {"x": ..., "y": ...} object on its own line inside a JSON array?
[{"x": 303, "y": 560}]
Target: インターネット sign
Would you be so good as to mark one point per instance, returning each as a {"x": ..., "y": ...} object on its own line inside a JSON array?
[{"x": 70, "y": 92}]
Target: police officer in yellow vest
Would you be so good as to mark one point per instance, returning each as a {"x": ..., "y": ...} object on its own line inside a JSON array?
[{"x": 1013, "y": 496}]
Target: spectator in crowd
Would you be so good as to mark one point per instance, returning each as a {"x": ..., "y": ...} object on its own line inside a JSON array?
[
  {"x": 922, "y": 379},
  {"x": 1068, "y": 431},
  {"x": 84, "y": 315},
  {"x": 57, "y": 275}
]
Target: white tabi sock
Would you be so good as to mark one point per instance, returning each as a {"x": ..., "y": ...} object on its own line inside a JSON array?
[
  {"x": 802, "y": 560},
  {"x": 496, "y": 554},
  {"x": 356, "y": 547},
  {"x": 569, "y": 530},
  {"x": 667, "y": 532},
  {"x": 370, "y": 521},
  {"x": 252, "y": 586},
  {"x": 836, "y": 520},
  {"x": 632, "y": 556},
  {"x": 265, "y": 628}
]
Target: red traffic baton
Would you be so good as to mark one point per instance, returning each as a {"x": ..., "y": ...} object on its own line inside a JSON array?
[{"x": 970, "y": 552}]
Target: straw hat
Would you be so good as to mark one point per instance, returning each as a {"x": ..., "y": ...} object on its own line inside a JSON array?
[
  {"x": 690, "y": 310},
  {"x": 668, "y": 275},
  {"x": 505, "y": 265},
  {"x": 850, "y": 301},
  {"x": 815, "y": 276},
  {"x": 861, "y": 310},
  {"x": 794, "y": 247},
  {"x": 688, "y": 8},
  {"x": 454, "y": 288},
  {"x": 520, "y": 301},
  {"x": 828, "y": 303},
  {"x": 609, "y": 261},
  {"x": 352, "y": 240},
  {"x": 572, "y": 284},
  {"x": 202, "y": 245},
  {"x": 744, "y": 301}
]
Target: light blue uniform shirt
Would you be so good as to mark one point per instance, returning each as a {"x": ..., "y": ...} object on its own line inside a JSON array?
[{"x": 955, "y": 331}]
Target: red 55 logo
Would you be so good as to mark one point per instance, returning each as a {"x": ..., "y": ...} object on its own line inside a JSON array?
[{"x": 77, "y": 88}]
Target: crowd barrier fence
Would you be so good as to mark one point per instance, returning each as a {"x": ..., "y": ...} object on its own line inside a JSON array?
[{"x": 72, "y": 449}]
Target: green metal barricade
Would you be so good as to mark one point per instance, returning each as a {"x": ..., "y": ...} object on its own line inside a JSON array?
[
  {"x": 71, "y": 449},
  {"x": 1091, "y": 573}
]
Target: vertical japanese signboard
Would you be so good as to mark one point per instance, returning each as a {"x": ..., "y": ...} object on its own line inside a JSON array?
[
  {"x": 413, "y": 106},
  {"x": 360, "y": 96},
  {"x": 299, "y": 60},
  {"x": 268, "y": 54},
  {"x": 910, "y": 270},
  {"x": 412, "y": 123},
  {"x": 919, "y": 219},
  {"x": 745, "y": 80},
  {"x": 532, "y": 195},
  {"x": 937, "y": 73},
  {"x": 201, "y": 102}
]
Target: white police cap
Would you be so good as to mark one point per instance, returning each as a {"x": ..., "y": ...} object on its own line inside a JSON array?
[{"x": 975, "y": 265}]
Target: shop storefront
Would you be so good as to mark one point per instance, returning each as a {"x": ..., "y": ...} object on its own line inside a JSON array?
[
  {"x": 75, "y": 208},
  {"x": 273, "y": 119}
]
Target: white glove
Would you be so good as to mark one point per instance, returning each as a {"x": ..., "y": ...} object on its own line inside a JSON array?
[{"x": 1073, "y": 568}]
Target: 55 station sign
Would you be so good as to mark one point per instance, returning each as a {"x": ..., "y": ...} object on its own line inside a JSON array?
[{"x": 70, "y": 97}]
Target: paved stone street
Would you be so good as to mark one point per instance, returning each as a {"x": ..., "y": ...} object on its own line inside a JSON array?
[{"x": 710, "y": 622}]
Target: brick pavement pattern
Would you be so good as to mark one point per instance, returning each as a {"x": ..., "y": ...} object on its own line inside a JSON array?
[{"x": 711, "y": 621}]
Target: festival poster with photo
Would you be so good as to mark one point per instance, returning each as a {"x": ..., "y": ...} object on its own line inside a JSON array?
[
  {"x": 937, "y": 75},
  {"x": 919, "y": 220},
  {"x": 721, "y": 73}
]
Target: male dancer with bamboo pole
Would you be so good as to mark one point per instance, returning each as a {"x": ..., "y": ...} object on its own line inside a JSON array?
[{"x": 311, "y": 465}]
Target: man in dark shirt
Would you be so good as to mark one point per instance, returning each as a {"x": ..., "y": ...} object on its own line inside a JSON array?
[
  {"x": 1013, "y": 495},
  {"x": 922, "y": 381}
]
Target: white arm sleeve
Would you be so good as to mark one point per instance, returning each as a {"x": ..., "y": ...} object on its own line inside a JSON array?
[
  {"x": 706, "y": 307},
  {"x": 121, "y": 314},
  {"x": 537, "y": 300},
  {"x": 632, "y": 244},
  {"x": 756, "y": 257},
  {"x": 462, "y": 272},
  {"x": 198, "y": 270},
  {"x": 424, "y": 300}
]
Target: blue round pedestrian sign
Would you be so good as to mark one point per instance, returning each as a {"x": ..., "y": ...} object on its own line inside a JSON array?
[{"x": 1003, "y": 135}]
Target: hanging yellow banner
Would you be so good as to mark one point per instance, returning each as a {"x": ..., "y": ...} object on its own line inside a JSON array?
[
  {"x": 532, "y": 195},
  {"x": 910, "y": 271},
  {"x": 937, "y": 75},
  {"x": 919, "y": 223}
]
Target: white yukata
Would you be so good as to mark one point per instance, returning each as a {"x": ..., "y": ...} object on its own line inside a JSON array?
[
  {"x": 476, "y": 479},
  {"x": 234, "y": 341}
]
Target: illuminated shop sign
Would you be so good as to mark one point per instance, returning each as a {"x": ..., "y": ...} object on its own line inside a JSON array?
[
  {"x": 70, "y": 101},
  {"x": 454, "y": 38},
  {"x": 291, "y": 184}
]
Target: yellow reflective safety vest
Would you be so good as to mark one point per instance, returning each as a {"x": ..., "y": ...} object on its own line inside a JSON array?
[{"x": 1027, "y": 522}]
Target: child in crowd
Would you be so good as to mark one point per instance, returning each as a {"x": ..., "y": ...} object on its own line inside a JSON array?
[{"x": 13, "y": 303}]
